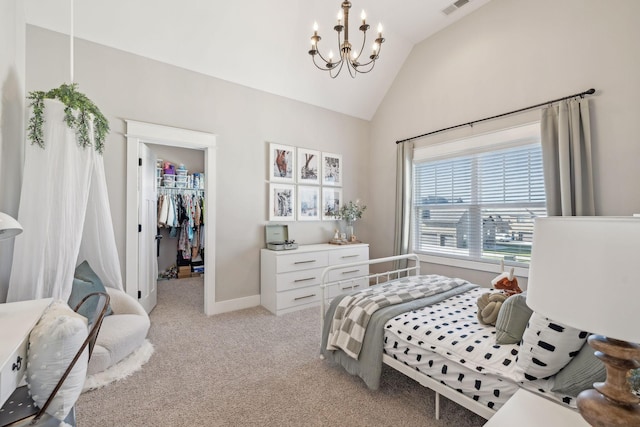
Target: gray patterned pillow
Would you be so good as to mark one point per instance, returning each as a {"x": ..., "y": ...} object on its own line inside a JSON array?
[
  {"x": 580, "y": 374},
  {"x": 547, "y": 347},
  {"x": 512, "y": 319}
]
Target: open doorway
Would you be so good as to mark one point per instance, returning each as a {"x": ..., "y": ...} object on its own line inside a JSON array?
[
  {"x": 144, "y": 141},
  {"x": 181, "y": 199}
]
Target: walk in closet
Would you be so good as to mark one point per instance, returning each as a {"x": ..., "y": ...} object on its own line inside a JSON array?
[{"x": 181, "y": 205}]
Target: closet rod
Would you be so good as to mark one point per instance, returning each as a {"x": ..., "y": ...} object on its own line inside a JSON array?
[{"x": 581, "y": 95}]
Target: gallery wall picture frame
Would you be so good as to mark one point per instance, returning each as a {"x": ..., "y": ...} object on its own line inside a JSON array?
[
  {"x": 332, "y": 169},
  {"x": 282, "y": 202},
  {"x": 331, "y": 202},
  {"x": 308, "y": 163},
  {"x": 282, "y": 163},
  {"x": 309, "y": 203}
]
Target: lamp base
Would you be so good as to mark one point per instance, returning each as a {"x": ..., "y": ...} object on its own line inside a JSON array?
[
  {"x": 599, "y": 411},
  {"x": 612, "y": 403}
]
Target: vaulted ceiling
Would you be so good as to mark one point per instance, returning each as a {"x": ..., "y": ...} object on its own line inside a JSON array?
[{"x": 261, "y": 44}]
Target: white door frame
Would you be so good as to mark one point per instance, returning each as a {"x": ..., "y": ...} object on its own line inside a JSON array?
[{"x": 140, "y": 133}]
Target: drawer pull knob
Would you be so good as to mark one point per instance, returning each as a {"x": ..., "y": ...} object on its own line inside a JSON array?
[
  {"x": 350, "y": 271},
  {"x": 349, "y": 287},
  {"x": 349, "y": 256},
  {"x": 306, "y": 296},
  {"x": 305, "y": 262},
  {"x": 18, "y": 365},
  {"x": 304, "y": 280}
]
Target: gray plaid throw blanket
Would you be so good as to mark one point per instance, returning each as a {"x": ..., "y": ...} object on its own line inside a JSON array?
[{"x": 352, "y": 314}]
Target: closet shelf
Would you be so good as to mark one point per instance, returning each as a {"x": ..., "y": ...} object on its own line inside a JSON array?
[{"x": 180, "y": 190}]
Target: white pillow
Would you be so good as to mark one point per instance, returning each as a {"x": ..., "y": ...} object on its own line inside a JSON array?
[
  {"x": 547, "y": 347},
  {"x": 53, "y": 344}
]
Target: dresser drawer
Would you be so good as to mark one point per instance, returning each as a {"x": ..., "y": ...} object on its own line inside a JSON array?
[
  {"x": 350, "y": 286},
  {"x": 302, "y": 261},
  {"x": 343, "y": 275},
  {"x": 13, "y": 370},
  {"x": 298, "y": 279},
  {"x": 342, "y": 256},
  {"x": 297, "y": 297},
  {"x": 348, "y": 273}
]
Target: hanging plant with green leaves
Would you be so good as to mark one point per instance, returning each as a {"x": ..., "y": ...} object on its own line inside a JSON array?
[{"x": 79, "y": 111}]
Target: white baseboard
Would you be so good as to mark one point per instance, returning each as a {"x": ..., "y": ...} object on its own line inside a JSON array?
[{"x": 235, "y": 304}]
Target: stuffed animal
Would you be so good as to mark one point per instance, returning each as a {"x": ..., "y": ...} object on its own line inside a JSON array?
[
  {"x": 507, "y": 283},
  {"x": 489, "y": 305}
]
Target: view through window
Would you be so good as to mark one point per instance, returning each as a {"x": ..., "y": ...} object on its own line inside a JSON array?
[{"x": 479, "y": 199}]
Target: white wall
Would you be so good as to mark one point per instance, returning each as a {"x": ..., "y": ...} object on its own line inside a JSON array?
[
  {"x": 12, "y": 82},
  {"x": 507, "y": 55},
  {"x": 127, "y": 86}
]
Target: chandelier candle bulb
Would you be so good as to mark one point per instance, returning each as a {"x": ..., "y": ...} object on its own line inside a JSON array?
[{"x": 363, "y": 15}]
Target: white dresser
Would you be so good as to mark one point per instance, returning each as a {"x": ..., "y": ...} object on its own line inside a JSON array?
[{"x": 290, "y": 280}]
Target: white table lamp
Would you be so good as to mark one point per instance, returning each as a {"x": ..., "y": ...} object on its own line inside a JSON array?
[
  {"x": 9, "y": 227},
  {"x": 585, "y": 273}
]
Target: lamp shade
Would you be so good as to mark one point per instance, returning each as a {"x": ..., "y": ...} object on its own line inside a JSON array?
[
  {"x": 9, "y": 227},
  {"x": 585, "y": 273}
]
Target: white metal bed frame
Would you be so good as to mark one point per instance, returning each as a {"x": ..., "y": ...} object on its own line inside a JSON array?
[{"x": 413, "y": 268}]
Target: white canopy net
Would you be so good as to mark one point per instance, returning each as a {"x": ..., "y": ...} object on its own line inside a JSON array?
[{"x": 65, "y": 214}]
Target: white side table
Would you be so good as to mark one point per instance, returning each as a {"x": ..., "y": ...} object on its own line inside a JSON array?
[{"x": 526, "y": 409}]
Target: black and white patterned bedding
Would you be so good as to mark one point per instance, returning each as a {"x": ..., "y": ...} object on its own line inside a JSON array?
[
  {"x": 490, "y": 390},
  {"x": 448, "y": 343},
  {"x": 354, "y": 310}
]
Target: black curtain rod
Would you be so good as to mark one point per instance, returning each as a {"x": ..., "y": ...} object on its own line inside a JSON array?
[{"x": 581, "y": 95}]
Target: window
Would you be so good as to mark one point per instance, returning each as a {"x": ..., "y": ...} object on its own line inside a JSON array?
[{"x": 477, "y": 198}]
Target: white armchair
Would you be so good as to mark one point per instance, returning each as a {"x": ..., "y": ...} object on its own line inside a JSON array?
[{"x": 122, "y": 332}]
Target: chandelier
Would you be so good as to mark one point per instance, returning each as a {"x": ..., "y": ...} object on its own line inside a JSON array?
[{"x": 348, "y": 56}]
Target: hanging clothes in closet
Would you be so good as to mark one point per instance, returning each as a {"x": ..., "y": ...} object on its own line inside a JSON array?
[{"x": 182, "y": 212}]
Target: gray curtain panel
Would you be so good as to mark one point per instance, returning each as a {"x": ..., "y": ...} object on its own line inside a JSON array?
[
  {"x": 404, "y": 177},
  {"x": 566, "y": 154}
]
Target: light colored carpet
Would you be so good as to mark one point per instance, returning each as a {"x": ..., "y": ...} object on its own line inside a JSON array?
[{"x": 251, "y": 368}]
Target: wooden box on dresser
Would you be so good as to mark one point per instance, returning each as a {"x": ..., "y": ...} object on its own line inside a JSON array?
[{"x": 290, "y": 280}]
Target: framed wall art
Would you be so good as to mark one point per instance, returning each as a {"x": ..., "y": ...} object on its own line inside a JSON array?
[
  {"x": 282, "y": 202},
  {"x": 308, "y": 203},
  {"x": 282, "y": 163},
  {"x": 331, "y": 201},
  {"x": 308, "y": 166},
  {"x": 332, "y": 169}
]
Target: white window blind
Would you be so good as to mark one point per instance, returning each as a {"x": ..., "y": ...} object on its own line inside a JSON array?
[{"x": 479, "y": 202}]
